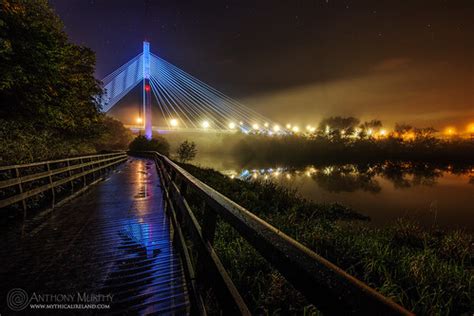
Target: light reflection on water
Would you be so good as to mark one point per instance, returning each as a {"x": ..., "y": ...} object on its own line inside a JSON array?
[{"x": 441, "y": 195}]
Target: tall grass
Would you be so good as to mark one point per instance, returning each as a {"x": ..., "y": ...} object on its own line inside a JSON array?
[{"x": 427, "y": 271}]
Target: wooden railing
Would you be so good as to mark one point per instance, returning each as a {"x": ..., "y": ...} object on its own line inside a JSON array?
[
  {"x": 329, "y": 288},
  {"x": 18, "y": 183}
]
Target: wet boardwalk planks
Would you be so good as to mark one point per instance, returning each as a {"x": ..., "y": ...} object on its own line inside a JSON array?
[{"x": 114, "y": 239}]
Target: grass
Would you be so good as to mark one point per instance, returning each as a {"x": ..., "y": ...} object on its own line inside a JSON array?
[{"x": 427, "y": 271}]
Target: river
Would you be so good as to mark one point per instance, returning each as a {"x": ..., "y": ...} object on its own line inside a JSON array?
[{"x": 433, "y": 195}]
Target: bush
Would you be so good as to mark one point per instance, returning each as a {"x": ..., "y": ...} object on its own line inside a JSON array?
[
  {"x": 113, "y": 135},
  {"x": 186, "y": 151},
  {"x": 21, "y": 143},
  {"x": 159, "y": 144}
]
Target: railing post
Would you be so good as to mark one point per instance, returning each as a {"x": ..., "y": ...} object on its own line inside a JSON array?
[
  {"x": 93, "y": 160},
  {"x": 172, "y": 174},
  {"x": 20, "y": 186},
  {"x": 70, "y": 175},
  {"x": 209, "y": 223},
  {"x": 84, "y": 180},
  {"x": 183, "y": 188},
  {"x": 52, "y": 187}
]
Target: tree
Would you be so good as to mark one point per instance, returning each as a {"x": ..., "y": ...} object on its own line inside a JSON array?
[
  {"x": 425, "y": 132},
  {"x": 373, "y": 124},
  {"x": 186, "y": 151},
  {"x": 369, "y": 128},
  {"x": 402, "y": 128},
  {"x": 48, "y": 93},
  {"x": 338, "y": 123},
  {"x": 159, "y": 144},
  {"x": 113, "y": 135},
  {"x": 46, "y": 81}
]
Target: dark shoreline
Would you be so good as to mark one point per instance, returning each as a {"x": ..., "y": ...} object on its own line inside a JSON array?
[{"x": 403, "y": 261}]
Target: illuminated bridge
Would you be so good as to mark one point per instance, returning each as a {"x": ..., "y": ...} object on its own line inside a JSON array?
[
  {"x": 185, "y": 102},
  {"x": 126, "y": 234}
]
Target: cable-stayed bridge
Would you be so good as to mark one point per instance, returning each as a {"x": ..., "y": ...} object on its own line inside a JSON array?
[
  {"x": 142, "y": 242},
  {"x": 185, "y": 102}
]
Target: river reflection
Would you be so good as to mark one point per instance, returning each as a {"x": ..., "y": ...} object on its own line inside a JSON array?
[{"x": 434, "y": 195}]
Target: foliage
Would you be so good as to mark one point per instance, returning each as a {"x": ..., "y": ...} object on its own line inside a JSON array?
[
  {"x": 21, "y": 143},
  {"x": 45, "y": 79},
  {"x": 339, "y": 123},
  {"x": 113, "y": 135},
  {"x": 186, "y": 151},
  {"x": 373, "y": 124},
  {"x": 326, "y": 149},
  {"x": 402, "y": 128},
  {"x": 49, "y": 98},
  {"x": 427, "y": 271},
  {"x": 159, "y": 144}
]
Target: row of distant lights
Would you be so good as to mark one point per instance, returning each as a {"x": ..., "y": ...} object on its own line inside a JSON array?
[
  {"x": 231, "y": 125},
  {"x": 255, "y": 126},
  {"x": 309, "y": 128}
]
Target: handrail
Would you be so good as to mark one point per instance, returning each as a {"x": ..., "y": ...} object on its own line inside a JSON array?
[
  {"x": 96, "y": 164},
  {"x": 328, "y": 287},
  {"x": 33, "y": 164}
]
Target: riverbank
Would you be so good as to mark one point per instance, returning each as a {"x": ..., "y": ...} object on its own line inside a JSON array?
[
  {"x": 427, "y": 271},
  {"x": 296, "y": 150}
]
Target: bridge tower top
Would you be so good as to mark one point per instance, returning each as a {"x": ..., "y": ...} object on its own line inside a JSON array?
[{"x": 147, "y": 90}]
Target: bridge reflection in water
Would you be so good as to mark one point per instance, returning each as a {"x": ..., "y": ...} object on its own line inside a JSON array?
[{"x": 114, "y": 239}]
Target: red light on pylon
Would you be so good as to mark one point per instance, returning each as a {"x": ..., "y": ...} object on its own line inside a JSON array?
[{"x": 147, "y": 87}]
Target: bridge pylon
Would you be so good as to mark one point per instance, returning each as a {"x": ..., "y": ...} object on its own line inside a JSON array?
[{"x": 147, "y": 90}]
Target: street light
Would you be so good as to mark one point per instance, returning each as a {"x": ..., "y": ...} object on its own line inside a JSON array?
[
  {"x": 174, "y": 122},
  {"x": 255, "y": 126},
  {"x": 276, "y": 128},
  {"x": 205, "y": 124},
  {"x": 139, "y": 120},
  {"x": 231, "y": 125}
]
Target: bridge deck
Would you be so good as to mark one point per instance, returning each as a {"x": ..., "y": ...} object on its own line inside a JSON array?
[{"x": 114, "y": 239}]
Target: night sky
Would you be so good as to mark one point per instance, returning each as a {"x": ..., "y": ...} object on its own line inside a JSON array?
[{"x": 297, "y": 61}]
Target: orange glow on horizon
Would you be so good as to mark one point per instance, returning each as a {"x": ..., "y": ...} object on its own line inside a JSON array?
[
  {"x": 409, "y": 136},
  {"x": 450, "y": 131},
  {"x": 470, "y": 128}
]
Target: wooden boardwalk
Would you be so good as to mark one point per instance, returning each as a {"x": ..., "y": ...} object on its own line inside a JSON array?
[{"x": 114, "y": 240}]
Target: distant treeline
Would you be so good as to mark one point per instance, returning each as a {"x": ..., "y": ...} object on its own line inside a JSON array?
[
  {"x": 322, "y": 149},
  {"x": 49, "y": 97}
]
